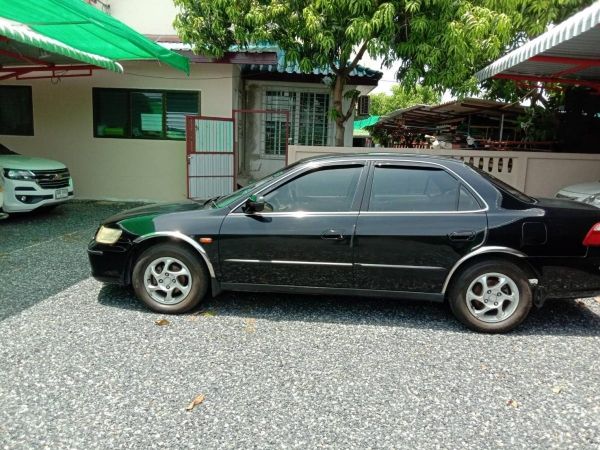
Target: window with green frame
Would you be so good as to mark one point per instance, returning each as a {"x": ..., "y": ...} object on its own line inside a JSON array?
[
  {"x": 143, "y": 114},
  {"x": 16, "y": 110}
]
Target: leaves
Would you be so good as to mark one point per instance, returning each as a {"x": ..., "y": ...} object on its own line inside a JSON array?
[
  {"x": 199, "y": 399},
  {"x": 513, "y": 403},
  {"x": 162, "y": 322}
]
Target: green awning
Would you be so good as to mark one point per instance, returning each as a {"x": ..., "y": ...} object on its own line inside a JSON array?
[
  {"x": 368, "y": 122},
  {"x": 82, "y": 28},
  {"x": 22, "y": 34}
]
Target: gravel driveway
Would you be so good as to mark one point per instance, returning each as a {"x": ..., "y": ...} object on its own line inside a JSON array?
[{"x": 83, "y": 365}]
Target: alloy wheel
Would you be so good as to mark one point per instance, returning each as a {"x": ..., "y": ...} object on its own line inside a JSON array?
[
  {"x": 492, "y": 297},
  {"x": 167, "y": 280}
]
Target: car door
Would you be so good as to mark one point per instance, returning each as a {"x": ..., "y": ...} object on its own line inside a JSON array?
[
  {"x": 417, "y": 220},
  {"x": 305, "y": 235}
]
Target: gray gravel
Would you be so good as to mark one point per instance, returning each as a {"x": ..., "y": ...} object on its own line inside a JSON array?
[{"x": 85, "y": 366}]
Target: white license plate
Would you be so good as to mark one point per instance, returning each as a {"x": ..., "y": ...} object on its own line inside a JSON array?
[{"x": 61, "y": 193}]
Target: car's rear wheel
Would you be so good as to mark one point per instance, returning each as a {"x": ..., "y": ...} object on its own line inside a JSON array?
[
  {"x": 491, "y": 296},
  {"x": 169, "y": 278}
]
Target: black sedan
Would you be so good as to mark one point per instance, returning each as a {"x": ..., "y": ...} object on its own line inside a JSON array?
[{"x": 401, "y": 226}]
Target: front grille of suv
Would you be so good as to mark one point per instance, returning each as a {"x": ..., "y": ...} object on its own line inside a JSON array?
[{"x": 52, "y": 179}]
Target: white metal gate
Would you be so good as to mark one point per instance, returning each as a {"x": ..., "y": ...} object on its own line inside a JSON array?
[{"x": 211, "y": 165}]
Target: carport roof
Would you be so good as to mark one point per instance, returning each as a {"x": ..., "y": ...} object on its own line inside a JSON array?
[
  {"x": 567, "y": 53},
  {"x": 77, "y": 31}
]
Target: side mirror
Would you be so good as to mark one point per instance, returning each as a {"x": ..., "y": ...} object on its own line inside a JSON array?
[{"x": 254, "y": 204}]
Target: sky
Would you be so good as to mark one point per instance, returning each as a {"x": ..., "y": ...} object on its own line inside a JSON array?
[{"x": 389, "y": 77}]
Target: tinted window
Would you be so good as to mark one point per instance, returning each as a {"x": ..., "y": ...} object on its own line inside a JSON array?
[
  {"x": 152, "y": 114},
  {"x": 16, "y": 110},
  {"x": 413, "y": 189},
  {"x": 466, "y": 201},
  {"x": 324, "y": 190}
]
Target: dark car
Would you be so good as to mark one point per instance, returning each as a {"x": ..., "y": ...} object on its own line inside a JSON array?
[{"x": 401, "y": 226}]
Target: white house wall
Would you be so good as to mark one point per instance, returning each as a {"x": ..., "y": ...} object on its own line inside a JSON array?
[
  {"x": 145, "y": 16},
  {"x": 109, "y": 168},
  {"x": 253, "y": 162}
]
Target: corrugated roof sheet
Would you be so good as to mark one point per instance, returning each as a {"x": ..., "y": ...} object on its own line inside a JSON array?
[
  {"x": 283, "y": 67},
  {"x": 576, "y": 37}
]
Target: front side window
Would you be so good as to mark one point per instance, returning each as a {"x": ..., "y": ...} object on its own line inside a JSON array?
[
  {"x": 329, "y": 189},
  {"x": 418, "y": 189},
  {"x": 16, "y": 110},
  {"x": 125, "y": 113}
]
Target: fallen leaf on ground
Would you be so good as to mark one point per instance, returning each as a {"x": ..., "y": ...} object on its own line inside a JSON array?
[
  {"x": 205, "y": 313},
  {"x": 513, "y": 403},
  {"x": 597, "y": 299},
  {"x": 250, "y": 325},
  {"x": 197, "y": 400},
  {"x": 581, "y": 304},
  {"x": 162, "y": 322},
  {"x": 557, "y": 389}
]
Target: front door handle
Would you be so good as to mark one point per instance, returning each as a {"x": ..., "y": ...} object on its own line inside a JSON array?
[
  {"x": 462, "y": 236},
  {"x": 332, "y": 235}
]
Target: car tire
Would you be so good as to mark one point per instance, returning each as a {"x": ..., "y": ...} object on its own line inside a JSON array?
[
  {"x": 491, "y": 296},
  {"x": 165, "y": 268}
]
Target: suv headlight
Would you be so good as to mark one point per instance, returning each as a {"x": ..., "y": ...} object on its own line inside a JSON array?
[
  {"x": 107, "y": 235},
  {"x": 592, "y": 200},
  {"x": 18, "y": 174}
]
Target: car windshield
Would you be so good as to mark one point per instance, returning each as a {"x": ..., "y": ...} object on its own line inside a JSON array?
[
  {"x": 6, "y": 151},
  {"x": 227, "y": 200},
  {"x": 506, "y": 187}
]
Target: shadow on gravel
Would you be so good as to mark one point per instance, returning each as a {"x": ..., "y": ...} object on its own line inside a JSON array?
[
  {"x": 566, "y": 317},
  {"x": 44, "y": 252}
]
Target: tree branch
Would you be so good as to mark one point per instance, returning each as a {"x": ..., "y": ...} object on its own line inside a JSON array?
[
  {"x": 351, "y": 108},
  {"x": 358, "y": 57}
]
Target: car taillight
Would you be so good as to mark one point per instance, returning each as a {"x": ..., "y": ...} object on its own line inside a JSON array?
[{"x": 592, "y": 238}]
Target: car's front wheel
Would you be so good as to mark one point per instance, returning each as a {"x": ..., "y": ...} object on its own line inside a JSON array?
[
  {"x": 169, "y": 278},
  {"x": 491, "y": 296}
]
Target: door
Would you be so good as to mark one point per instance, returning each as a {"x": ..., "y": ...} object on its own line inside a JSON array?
[
  {"x": 305, "y": 235},
  {"x": 210, "y": 156},
  {"x": 416, "y": 222}
]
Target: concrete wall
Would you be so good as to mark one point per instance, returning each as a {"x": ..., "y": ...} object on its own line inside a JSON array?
[
  {"x": 106, "y": 168},
  {"x": 145, "y": 16},
  {"x": 254, "y": 164},
  {"x": 535, "y": 173}
]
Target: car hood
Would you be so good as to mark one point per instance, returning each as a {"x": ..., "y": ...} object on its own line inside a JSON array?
[
  {"x": 23, "y": 162},
  {"x": 583, "y": 188},
  {"x": 154, "y": 210}
]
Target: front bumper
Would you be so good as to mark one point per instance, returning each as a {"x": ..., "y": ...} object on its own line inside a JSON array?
[
  {"x": 110, "y": 263},
  {"x": 25, "y": 196}
]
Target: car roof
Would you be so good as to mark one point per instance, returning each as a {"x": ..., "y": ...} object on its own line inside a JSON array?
[{"x": 382, "y": 155}]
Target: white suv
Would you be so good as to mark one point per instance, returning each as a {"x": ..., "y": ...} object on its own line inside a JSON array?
[{"x": 27, "y": 183}]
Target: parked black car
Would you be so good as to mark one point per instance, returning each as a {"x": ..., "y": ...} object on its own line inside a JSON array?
[{"x": 374, "y": 224}]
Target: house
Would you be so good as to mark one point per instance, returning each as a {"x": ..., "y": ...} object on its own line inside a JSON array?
[{"x": 123, "y": 135}]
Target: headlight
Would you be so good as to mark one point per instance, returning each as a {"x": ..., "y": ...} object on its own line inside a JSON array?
[
  {"x": 107, "y": 235},
  {"x": 592, "y": 200},
  {"x": 17, "y": 174}
]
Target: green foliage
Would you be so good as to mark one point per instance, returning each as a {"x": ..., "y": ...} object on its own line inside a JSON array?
[
  {"x": 441, "y": 43},
  {"x": 382, "y": 104}
]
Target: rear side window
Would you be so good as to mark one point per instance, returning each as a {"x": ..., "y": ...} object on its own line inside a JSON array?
[{"x": 418, "y": 189}]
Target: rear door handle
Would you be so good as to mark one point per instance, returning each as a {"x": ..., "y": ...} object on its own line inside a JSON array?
[
  {"x": 332, "y": 235},
  {"x": 462, "y": 236}
]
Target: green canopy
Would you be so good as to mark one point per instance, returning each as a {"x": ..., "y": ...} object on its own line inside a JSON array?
[{"x": 83, "y": 28}]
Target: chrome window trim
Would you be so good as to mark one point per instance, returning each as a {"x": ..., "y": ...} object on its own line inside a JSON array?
[
  {"x": 289, "y": 262},
  {"x": 298, "y": 214},
  {"x": 183, "y": 237},
  {"x": 396, "y": 266},
  {"x": 480, "y": 251},
  {"x": 365, "y": 159}
]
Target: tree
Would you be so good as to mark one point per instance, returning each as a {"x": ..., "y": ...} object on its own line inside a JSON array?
[
  {"x": 441, "y": 42},
  {"x": 382, "y": 104}
]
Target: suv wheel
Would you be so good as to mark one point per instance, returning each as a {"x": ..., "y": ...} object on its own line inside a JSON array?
[
  {"x": 169, "y": 279},
  {"x": 491, "y": 296}
]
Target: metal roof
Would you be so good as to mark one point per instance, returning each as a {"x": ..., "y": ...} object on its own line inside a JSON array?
[
  {"x": 567, "y": 53},
  {"x": 283, "y": 67}
]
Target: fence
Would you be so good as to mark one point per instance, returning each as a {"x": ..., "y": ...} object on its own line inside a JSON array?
[{"x": 536, "y": 173}]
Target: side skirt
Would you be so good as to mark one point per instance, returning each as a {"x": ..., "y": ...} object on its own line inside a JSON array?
[{"x": 282, "y": 289}]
